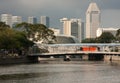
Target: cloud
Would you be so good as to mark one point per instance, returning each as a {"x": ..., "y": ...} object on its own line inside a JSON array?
[
  {"x": 57, "y": 9},
  {"x": 110, "y": 4},
  {"x": 110, "y": 18}
]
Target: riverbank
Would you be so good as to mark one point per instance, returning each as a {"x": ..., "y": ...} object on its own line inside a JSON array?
[
  {"x": 15, "y": 60},
  {"x": 26, "y": 59}
]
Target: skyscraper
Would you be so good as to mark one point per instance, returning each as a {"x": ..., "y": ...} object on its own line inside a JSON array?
[
  {"x": 73, "y": 27},
  {"x": 32, "y": 20},
  {"x": 92, "y": 20},
  {"x": 66, "y": 30},
  {"x": 7, "y": 18},
  {"x": 45, "y": 20},
  {"x": 16, "y": 19}
]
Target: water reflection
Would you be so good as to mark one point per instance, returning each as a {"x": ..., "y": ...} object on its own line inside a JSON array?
[
  {"x": 21, "y": 76},
  {"x": 69, "y": 72}
]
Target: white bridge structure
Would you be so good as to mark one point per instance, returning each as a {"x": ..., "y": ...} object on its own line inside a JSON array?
[
  {"x": 68, "y": 51},
  {"x": 104, "y": 48}
]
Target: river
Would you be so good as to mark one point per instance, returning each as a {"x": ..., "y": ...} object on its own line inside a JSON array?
[{"x": 64, "y": 72}]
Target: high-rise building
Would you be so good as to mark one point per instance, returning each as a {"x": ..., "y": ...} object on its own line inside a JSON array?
[
  {"x": 73, "y": 27},
  {"x": 45, "y": 20},
  {"x": 56, "y": 31},
  {"x": 66, "y": 30},
  {"x": 16, "y": 19},
  {"x": 32, "y": 20},
  {"x": 7, "y": 18},
  {"x": 92, "y": 20}
]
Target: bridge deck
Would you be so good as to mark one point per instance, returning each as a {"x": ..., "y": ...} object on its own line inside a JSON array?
[{"x": 75, "y": 53}]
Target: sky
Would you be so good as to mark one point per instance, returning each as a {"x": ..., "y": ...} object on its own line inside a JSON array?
[{"x": 57, "y": 9}]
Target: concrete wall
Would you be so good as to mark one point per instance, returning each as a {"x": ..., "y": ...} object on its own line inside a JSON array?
[{"x": 112, "y": 57}]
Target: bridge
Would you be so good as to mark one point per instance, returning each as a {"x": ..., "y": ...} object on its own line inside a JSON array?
[{"x": 92, "y": 50}]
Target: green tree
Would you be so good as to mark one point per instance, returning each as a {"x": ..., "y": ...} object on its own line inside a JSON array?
[
  {"x": 11, "y": 39},
  {"x": 106, "y": 37},
  {"x": 89, "y": 40},
  {"x": 37, "y": 32},
  {"x": 118, "y": 35},
  {"x": 3, "y": 25}
]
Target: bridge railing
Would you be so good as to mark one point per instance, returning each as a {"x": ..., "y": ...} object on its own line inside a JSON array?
[{"x": 74, "y": 48}]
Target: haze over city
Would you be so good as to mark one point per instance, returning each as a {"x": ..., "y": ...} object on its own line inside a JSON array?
[{"x": 57, "y": 9}]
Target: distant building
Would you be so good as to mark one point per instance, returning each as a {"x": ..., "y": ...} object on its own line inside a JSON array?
[
  {"x": 7, "y": 18},
  {"x": 56, "y": 31},
  {"x": 32, "y": 20},
  {"x": 16, "y": 20},
  {"x": 45, "y": 20},
  {"x": 111, "y": 30},
  {"x": 92, "y": 20},
  {"x": 73, "y": 27}
]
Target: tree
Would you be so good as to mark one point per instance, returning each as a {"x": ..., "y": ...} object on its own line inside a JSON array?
[
  {"x": 106, "y": 37},
  {"x": 118, "y": 35},
  {"x": 11, "y": 39},
  {"x": 37, "y": 32},
  {"x": 3, "y": 25},
  {"x": 89, "y": 40}
]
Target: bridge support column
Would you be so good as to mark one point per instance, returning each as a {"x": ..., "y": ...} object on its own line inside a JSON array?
[{"x": 85, "y": 57}]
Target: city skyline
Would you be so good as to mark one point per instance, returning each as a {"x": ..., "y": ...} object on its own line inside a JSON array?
[
  {"x": 56, "y": 9},
  {"x": 73, "y": 27}
]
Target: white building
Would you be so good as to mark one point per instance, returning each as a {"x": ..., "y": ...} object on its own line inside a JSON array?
[
  {"x": 7, "y": 18},
  {"x": 92, "y": 20},
  {"x": 32, "y": 20},
  {"x": 56, "y": 31},
  {"x": 16, "y": 19},
  {"x": 73, "y": 27},
  {"x": 111, "y": 30},
  {"x": 66, "y": 30},
  {"x": 45, "y": 20}
]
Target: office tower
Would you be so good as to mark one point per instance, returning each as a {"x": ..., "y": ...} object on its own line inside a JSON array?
[
  {"x": 92, "y": 20},
  {"x": 32, "y": 20},
  {"x": 7, "y": 18},
  {"x": 45, "y": 20},
  {"x": 66, "y": 26},
  {"x": 73, "y": 27},
  {"x": 16, "y": 19}
]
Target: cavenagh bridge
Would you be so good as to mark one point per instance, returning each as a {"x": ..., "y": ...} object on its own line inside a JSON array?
[{"x": 81, "y": 51}]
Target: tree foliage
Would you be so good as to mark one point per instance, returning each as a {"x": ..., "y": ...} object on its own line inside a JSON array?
[
  {"x": 106, "y": 37},
  {"x": 11, "y": 39},
  {"x": 118, "y": 35},
  {"x": 37, "y": 32}
]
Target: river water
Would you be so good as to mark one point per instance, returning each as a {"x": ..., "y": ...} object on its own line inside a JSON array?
[{"x": 65, "y": 72}]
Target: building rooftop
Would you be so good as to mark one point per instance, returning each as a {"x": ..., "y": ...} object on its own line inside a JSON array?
[
  {"x": 93, "y": 7},
  {"x": 63, "y": 39}
]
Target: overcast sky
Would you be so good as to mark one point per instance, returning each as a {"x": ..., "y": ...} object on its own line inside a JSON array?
[{"x": 57, "y": 9}]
